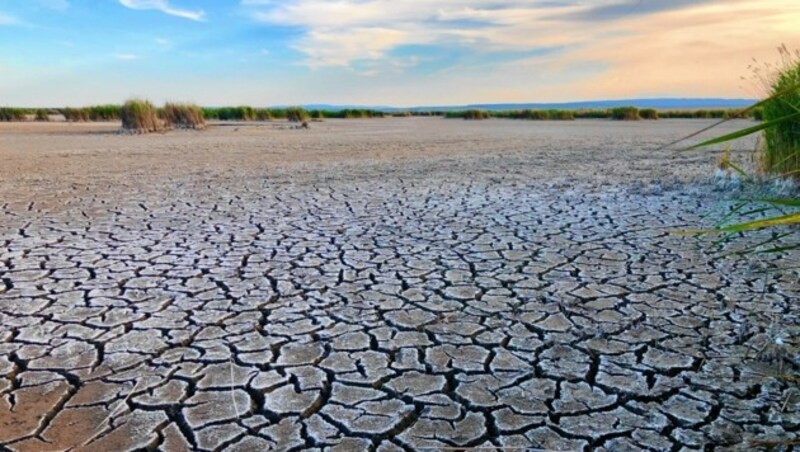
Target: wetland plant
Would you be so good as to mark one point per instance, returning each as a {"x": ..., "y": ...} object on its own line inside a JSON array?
[
  {"x": 782, "y": 142},
  {"x": 297, "y": 114},
  {"x": 42, "y": 115},
  {"x": 625, "y": 114},
  {"x": 476, "y": 114},
  {"x": 140, "y": 116},
  {"x": 183, "y": 116},
  {"x": 648, "y": 113},
  {"x": 75, "y": 114},
  {"x": 13, "y": 114}
]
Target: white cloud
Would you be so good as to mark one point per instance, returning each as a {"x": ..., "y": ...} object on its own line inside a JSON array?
[
  {"x": 126, "y": 56},
  {"x": 164, "y": 7}
]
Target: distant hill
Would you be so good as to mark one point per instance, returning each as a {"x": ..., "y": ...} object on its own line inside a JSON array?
[{"x": 658, "y": 103}]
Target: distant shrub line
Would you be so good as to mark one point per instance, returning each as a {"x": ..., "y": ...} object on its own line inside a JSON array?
[
  {"x": 299, "y": 114},
  {"x": 618, "y": 113}
]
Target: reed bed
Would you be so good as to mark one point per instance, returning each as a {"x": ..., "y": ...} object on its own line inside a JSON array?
[
  {"x": 248, "y": 113},
  {"x": 8, "y": 114}
]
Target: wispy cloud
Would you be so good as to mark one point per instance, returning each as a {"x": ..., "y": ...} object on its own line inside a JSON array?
[
  {"x": 127, "y": 56},
  {"x": 7, "y": 19},
  {"x": 340, "y": 32},
  {"x": 166, "y": 8},
  {"x": 618, "y": 47}
]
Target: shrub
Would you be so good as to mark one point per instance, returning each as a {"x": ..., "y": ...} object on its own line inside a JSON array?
[
  {"x": 183, "y": 116},
  {"x": 241, "y": 113},
  {"x": 677, "y": 114},
  {"x": 210, "y": 113},
  {"x": 104, "y": 112},
  {"x": 476, "y": 115},
  {"x": 75, "y": 114},
  {"x": 648, "y": 113},
  {"x": 13, "y": 114},
  {"x": 625, "y": 113},
  {"x": 245, "y": 113},
  {"x": 592, "y": 114},
  {"x": 534, "y": 114},
  {"x": 42, "y": 115},
  {"x": 140, "y": 116},
  {"x": 560, "y": 115},
  {"x": 262, "y": 114},
  {"x": 296, "y": 114}
]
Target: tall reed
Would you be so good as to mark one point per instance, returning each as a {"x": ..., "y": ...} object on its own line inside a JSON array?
[
  {"x": 782, "y": 150},
  {"x": 183, "y": 116},
  {"x": 140, "y": 116}
]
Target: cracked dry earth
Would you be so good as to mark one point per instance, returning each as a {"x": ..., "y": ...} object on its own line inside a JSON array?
[{"x": 405, "y": 284}]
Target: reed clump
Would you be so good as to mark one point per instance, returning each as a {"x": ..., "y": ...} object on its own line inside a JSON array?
[
  {"x": 648, "y": 113},
  {"x": 140, "y": 116},
  {"x": 781, "y": 153},
  {"x": 8, "y": 114},
  {"x": 42, "y": 115},
  {"x": 183, "y": 116},
  {"x": 263, "y": 114},
  {"x": 473, "y": 115},
  {"x": 625, "y": 114},
  {"x": 297, "y": 114}
]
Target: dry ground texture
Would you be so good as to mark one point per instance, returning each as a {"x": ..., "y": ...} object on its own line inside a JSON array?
[{"x": 394, "y": 284}]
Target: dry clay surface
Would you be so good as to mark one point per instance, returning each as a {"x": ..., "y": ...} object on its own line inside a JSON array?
[{"x": 396, "y": 284}]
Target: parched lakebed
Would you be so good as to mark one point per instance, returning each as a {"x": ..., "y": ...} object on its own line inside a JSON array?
[{"x": 391, "y": 284}]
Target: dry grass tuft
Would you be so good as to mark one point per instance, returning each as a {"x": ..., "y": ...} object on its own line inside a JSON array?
[
  {"x": 140, "y": 116},
  {"x": 183, "y": 116}
]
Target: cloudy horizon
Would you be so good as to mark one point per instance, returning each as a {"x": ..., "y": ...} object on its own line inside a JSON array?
[{"x": 383, "y": 52}]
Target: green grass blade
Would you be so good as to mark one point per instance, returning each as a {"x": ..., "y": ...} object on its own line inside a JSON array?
[
  {"x": 742, "y": 113},
  {"x": 724, "y": 220},
  {"x": 728, "y": 215},
  {"x": 744, "y": 132},
  {"x": 783, "y": 220}
]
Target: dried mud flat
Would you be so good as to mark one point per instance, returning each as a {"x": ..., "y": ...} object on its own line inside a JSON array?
[{"x": 397, "y": 284}]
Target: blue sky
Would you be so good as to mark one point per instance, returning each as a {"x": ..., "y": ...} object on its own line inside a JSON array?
[{"x": 384, "y": 52}]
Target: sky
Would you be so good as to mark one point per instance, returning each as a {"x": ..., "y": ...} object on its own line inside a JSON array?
[{"x": 385, "y": 52}]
